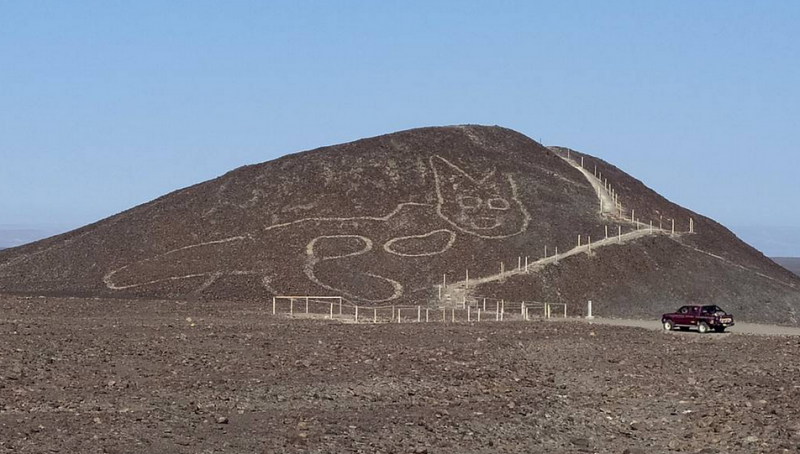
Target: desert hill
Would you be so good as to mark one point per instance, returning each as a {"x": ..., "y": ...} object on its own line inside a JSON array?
[{"x": 384, "y": 220}]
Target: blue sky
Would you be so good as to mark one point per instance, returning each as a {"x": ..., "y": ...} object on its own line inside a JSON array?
[{"x": 105, "y": 105}]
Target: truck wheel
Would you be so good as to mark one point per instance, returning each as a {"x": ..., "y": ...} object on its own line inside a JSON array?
[
  {"x": 703, "y": 327},
  {"x": 668, "y": 325}
]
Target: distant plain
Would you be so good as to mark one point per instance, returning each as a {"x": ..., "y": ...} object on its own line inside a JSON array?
[{"x": 790, "y": 263}]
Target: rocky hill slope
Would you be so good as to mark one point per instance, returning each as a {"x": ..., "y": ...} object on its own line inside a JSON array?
[{"x": 386, "y": 220}]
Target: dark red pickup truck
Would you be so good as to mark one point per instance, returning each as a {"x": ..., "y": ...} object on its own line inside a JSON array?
[{"x": 704, "y": 318}]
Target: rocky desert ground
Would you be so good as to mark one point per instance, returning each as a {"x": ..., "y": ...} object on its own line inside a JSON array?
[{"x": 123, "y": 376}]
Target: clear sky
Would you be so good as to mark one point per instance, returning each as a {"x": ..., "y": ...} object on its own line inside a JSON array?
[{"x": 108, "y": 104}]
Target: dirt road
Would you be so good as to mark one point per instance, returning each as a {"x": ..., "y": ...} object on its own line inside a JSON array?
[{"x": 739, "y": 328}]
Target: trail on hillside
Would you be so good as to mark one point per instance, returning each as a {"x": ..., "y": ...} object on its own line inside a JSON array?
[{"x": 610, "y": 209}]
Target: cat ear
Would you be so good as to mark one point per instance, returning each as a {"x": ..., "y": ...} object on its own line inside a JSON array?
[{"x": 449, "y": 172}]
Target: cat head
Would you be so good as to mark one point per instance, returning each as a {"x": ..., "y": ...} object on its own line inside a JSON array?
[{"x": 486, "y": 207}]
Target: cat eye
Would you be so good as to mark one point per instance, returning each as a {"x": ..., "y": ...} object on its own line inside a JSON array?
[
  {"x": 468, "y": 201},
  {"x": 496, "y": 203}
]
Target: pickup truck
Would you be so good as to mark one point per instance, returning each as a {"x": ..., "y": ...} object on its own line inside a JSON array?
[{"x": 704, "y": 318}]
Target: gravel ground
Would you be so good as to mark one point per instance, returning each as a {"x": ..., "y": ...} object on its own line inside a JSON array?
[{"x": 155, "y": 376}]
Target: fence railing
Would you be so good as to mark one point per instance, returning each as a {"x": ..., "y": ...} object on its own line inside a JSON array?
[{"x": 487, "y": 309}]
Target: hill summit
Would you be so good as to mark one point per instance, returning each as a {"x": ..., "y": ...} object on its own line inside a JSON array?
[{"x": 430, "y": 215}]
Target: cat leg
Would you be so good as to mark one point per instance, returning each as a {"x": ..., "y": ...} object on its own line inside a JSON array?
[{"x": 336, "y": 263}]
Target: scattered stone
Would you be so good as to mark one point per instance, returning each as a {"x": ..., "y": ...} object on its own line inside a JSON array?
[
  {"x": 583, "y": 443},
  {"x": 634, "y": 451}
]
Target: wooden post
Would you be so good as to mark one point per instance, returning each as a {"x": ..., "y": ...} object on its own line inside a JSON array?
[
  {"x": 619, "y": 233},
  {"x": 633, "y": 215},
  {"x": 526, "y": 263},
  {"x": 522, "y": 309},
  {"x": 427, "y": 318},
  {"x": 374, "y": 315},
  {"x": 545, "y": 251},
  {"x": 565, "y": 310},
  {"x": 453, "y": 315},
  {"x": 590, "y": 244},
  {"x": 306, "y": 305},
  {"x": 651, "y": 226},
  {"x": 581, "y": 161},
  {"x": 419, "y": 314},
  {"x": 440, "y": 292},
  {"x": 484, "y": 304},
  {"x": 661, "y": 222},
  {"x": 331, "y": 311},
  {"x": 595, "y": 171},
  {"x": 398, "y": 315},
  {"x": 556, "y": 256},
  {"x": 469, "y": 315},
  {"x": 356, "y": 317},
  {"x": 606, "y": 232},
  {"x": 497, "y": 311},
  {"x": 340, "y": 306},
  {"x": 673, "y": 226},
  {"x": 291, "y": 306},
  {"x": 479, "y": 314},
  {"x": 502, "y": 309},
  {"x": 392, "y": 319},
  {"x": 273, "y": 305},
  {"x": 579, "y": 241},
  {"x": 519, "y": 263},
  {"x": 502, "y": 268},
  {"x": 466, "y": 282},
  {"x": 444, "y": 280}
]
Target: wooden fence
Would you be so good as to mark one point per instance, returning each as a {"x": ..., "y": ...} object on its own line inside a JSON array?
[{"x": 336, "y": 308}]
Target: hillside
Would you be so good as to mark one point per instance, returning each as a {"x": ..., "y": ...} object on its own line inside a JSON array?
[
  {"x": 383, "y": 221},
  {"x": 790, "y": 263}
]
